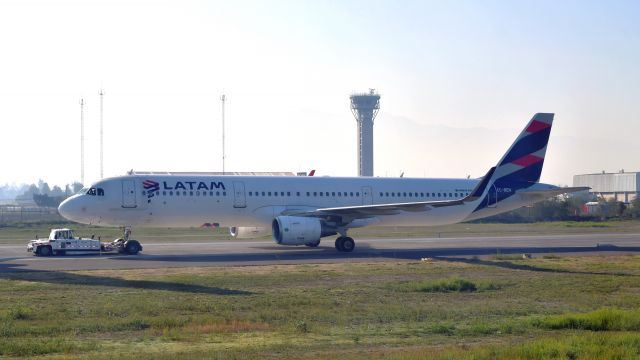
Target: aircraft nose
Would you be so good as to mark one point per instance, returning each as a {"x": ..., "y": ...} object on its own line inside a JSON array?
[{"x": 69, "y": 209}]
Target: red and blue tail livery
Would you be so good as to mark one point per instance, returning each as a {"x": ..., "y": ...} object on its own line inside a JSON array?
[{"x": 521, "y": 166}]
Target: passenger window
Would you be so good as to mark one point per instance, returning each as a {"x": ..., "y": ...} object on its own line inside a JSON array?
[
  {"x": 357, "y": 194},
  {"x": 250, "y": 194},
  {"x": 164, "y": 193},
  {"x": 327, "y": 193},
  {"x": 438, "y": 194},
  {"x": 410, "y": 195},
  {"x": 381, "y": 195},
  {"x": 339, "y": 193},
  {"x": 288, "y": 193},
  {"x": 218, "y": 193},
  {"x": 197, "y": 193},
  {"x": 450, "y": 195},
  {"x": 263, "y": 193},
  {"x": 275, "y": 193},
  {"x": 404, "y": 194},
  {"x": 100, "y": 192},
  {"x": 315, "y": 193},
  {"x": 351, "y": 194},
  {"x": 170, "y": 193},
  {"x": 308, "y": 193},
  {"x": 269, "y": 193},
  {"x": 177, "y": 193},
  {"x": 320, "y": 193},
  {"x": 421, "y": 194},
  {"x": 333, "y": 194},
  {"x": 190, "y": 193},
  {"x": 281, "y": 193},
  {"x": 184, "y": 193},
  {"x": 297, "y": 193},
  {"x": 143, "y": 192},
  {"x": 224, "y": 193}
]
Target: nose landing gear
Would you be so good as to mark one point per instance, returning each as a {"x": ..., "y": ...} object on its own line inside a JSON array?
[{"x": 126, "y": 245}]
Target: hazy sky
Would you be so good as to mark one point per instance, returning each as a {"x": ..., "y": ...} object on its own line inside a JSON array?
[{"x": 458, "y": 80}]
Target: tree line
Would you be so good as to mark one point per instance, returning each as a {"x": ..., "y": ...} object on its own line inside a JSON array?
[
  {"x": 41, "y": 193},
  {"x": 567, "y": 209}
]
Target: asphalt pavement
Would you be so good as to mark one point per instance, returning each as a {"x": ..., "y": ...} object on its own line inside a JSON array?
[{"x": 265, "y": 252}]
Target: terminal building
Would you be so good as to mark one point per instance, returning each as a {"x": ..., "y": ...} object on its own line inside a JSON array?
[{"x": 621, "y": 186}]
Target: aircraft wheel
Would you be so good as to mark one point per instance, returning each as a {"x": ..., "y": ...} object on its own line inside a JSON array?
[
  {"x": 348, "y": 244},
  {"x": 339, "y": 243},
  {"x": 132, "y": 247}
]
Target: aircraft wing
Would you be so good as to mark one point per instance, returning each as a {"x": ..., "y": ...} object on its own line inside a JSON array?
[{"x": 347, "y": 214}]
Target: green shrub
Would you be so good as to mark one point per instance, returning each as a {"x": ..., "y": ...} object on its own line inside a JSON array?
[
  {"x": 20, "y": 312},
  {"x": 451, "y": 285},
  {"x": 599, "y": 320}
]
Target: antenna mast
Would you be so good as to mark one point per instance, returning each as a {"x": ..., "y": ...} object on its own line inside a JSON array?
[
  {"x": 101, "y": 137},
  {"x": 82, "y": 141},
  {"x": 223, "y": 98}
]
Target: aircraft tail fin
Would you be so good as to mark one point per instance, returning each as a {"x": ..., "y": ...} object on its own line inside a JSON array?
[
  {"x": 524, "y": 159},
  {"x": 521, "y": 165}
]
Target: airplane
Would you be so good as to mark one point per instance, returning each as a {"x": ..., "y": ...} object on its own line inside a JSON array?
[{"x": 300, "y": 210}]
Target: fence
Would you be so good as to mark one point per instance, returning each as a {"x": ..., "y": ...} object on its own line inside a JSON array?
[{"x": 19, "y": 214}]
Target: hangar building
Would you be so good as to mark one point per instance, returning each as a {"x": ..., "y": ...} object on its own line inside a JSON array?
[{"x": 622, "y": 186}]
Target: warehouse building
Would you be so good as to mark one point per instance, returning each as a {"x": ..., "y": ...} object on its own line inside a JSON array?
[{"x": 621, "y": 186}]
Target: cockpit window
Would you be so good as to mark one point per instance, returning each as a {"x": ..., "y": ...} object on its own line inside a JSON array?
[{"x": 95, "y": 191}]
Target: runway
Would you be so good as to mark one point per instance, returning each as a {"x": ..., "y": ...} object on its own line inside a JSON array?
[{"x": 265, "y": 252}]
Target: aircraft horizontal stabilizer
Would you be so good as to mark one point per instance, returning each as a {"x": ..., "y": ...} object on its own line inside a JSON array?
[{"x": 545, "y": 194}]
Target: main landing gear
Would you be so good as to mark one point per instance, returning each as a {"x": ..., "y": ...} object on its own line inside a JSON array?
[{"x": 345, "y": 244}]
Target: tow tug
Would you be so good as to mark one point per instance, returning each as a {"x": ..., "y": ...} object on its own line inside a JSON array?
[{"x": 63, "y": 241}]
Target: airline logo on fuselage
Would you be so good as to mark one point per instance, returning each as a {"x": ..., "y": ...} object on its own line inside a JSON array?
[{"x": 193, "y": 185}]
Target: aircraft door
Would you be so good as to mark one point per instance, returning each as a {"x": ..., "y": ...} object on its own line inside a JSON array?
[
  {"x": 239, "y": 199},
  {"x": 367, "y": 196},
  {"x": 129, "y": 194},
  {"x": 492, "y": 197}
]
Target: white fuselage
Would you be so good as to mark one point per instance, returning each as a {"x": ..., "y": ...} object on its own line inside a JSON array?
[{"x": 196, "y": 200}]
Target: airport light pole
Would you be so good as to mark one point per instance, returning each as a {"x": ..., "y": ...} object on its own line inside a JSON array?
[
  {"x": 82, "y": 141},
  {"x": 101, "y": 137},
  {"x": 223, "y": 98}
]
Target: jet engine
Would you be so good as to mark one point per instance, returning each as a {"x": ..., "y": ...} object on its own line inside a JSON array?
[
  {"x": 247, "y": 232},
  {"x": 297, "y": 230}
]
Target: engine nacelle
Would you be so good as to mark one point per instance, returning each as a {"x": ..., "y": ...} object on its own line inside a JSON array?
[
  {"x": 247, "y": 232},
  {"x": 296, "y": 230}
]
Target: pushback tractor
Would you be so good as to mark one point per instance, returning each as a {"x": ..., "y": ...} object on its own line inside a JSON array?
[{"x": 63, "y": 241}]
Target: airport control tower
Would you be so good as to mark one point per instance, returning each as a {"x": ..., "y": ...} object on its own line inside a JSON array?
[{"x": 365, "y": 107}]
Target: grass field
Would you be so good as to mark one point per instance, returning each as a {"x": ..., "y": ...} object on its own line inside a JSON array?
[
  {"x": 21, "y": 233},
  {"x": 542, "y": 308}
]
